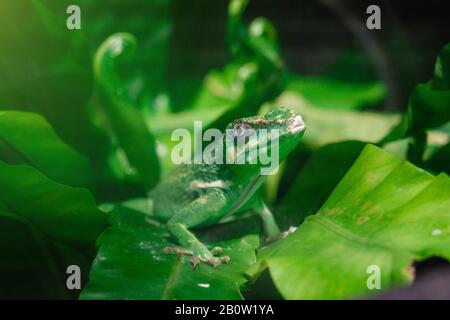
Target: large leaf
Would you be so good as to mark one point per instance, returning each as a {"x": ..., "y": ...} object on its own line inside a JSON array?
[
  {"x": 26, "y": 138},
  {"x": 257, "y": 69},
  {"x": 38, "y": 217},
  {"x": 32, "y": 266},
  {"x": 429, "y": 103},
  {"x": 45, "y": 68},
  {"x": 349, "y": 83},
  {"x": 150, "y": 23},
  {"x": 131, "y": 265},
  {"x": 61, "y": 212},
  {"x": 328, "y": 126},
  {"x": 316, "y": 180},
  {"x": 326, "y": 92},
  {"x": 384, "y": 212},
  {"x": 440, "y": 161},
  {"x": 128, "y": 124},
  {"x": 27, "y": 269}
]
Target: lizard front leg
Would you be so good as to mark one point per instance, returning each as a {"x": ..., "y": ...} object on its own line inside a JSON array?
[
  {"x": 204, "y": 208},
  {"x": 193, "y": 246}
]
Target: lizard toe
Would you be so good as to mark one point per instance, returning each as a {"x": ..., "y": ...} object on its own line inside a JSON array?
[
  {"x": 216, "y": 250},
  {"x": 225, "y": 259},
  {"x": 195, "y": 261},
  {"x": 215, "y": 262}
]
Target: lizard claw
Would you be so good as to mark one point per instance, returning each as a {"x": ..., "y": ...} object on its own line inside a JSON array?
[
  {"x": 215, "y": 262},
  {"x": 216, "y": 250},
  {"x": 195, "y": 261},
  {"x": 225, "y": 259}
]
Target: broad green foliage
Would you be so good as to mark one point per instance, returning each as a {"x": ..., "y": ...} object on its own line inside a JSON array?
[
  {"x": 43, "y": 224},
  {"x": 440, "y": 161},
  {"x": 428, "y": 107},
  {"x": 328, "y": 126},
  {"x": 33, "y": 267},
  {"x": 47, "y": 70},
  {"x": 131, "y": 264},
  {"x": 63, "y": 213},
  {"x": 19, "y": 132},
  {"x": 86, "y": 118},
  {"x": 259, "y": 68},
  {"x": 316, "y": 180},
  {"x": 384, "y": 212},
  {"x": 253, "y": 76},
  {"x": 127, "y": 123},
  {"x": 30, "y": 253},
  {"x": 326, "y": 92},
  {"x": 150, "y": 23},
  {"x": 349, "y": 83}
]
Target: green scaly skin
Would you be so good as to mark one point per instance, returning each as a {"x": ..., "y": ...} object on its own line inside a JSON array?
[{"x": 198, "y": 195}]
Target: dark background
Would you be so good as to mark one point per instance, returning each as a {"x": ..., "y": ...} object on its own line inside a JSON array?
[{"x": 313, "y": 33}]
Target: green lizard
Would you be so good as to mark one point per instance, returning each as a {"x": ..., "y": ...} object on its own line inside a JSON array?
[
  {"x": 199, "y": 194},
  {"x": 196, "y": 195}
]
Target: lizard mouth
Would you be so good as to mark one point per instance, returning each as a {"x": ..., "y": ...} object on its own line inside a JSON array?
[{"x": 296, "y": 125}]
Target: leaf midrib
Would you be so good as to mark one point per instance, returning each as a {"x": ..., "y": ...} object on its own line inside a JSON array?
[
  {"x": 16, "y": 151},
  {"x": 348, "y": 235},
  {"x": 171, "y": 282}
]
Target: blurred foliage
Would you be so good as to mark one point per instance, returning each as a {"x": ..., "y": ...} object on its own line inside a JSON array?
[
  {"x": 428, "y": 108},
  {"x": 47, "y": 70},
  {"x": 86, "y": 118},
  {"x": 349, "y": 83},
  {"x": 151, "y": 23},
  {"x": 126, "y": 122}
]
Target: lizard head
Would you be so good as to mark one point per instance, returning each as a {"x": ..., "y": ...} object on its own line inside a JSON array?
[{"x": 264, "y": 139}]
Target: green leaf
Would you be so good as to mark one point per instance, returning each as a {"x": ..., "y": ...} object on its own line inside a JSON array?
[
  {"x": 63, "y": 213},
  {"x": 127, "y": 122},
  {"x": 384, "y": 212},
  {"x": 316, "y": 180},
  {"x": 349, "y": 83},
  {"x": 441, "y": 78},
  {"x": 326, "y": 126},
  {"x": 429, "y": 103},
  {"x": 257, "y": 67},
  {"x": 150, "y": 23},
  {"x": 33, "y": 267},
  {"x": 326, "y": 92},
  {"x": 440, "y": 161},
  {"x": 27, "y": 138},
  {"x": 429, "y": 107},
  {"x": 28, "y": 269},
  {"x": 131, "y": 265},
  {"x": 45, "y": 68}
]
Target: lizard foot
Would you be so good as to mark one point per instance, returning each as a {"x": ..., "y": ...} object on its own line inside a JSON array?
[
  {"x": 197, "y": 259},
  {"x": 213, "y": 261},
  {"x": 281, "y": 235}
]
